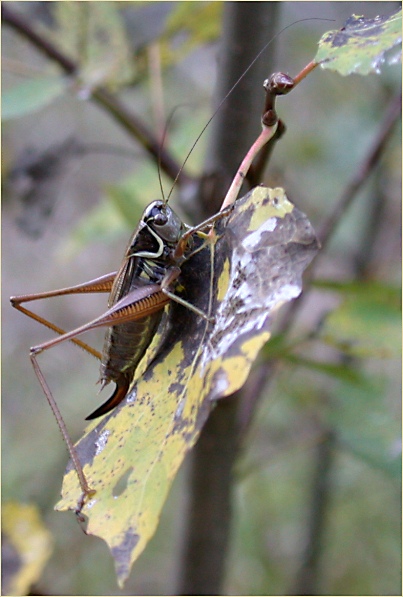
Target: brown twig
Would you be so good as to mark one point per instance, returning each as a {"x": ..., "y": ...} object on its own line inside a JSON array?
[
  {"x": 210, "y": 495},
  {"x": 364, "y": 171},
  {"x": 305, "y": 72},
  {"x": 255, "y": 174},
  {"x": 265, "y": 136}
]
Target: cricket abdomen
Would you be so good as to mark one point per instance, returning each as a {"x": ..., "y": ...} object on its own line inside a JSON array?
[{"x": 126, "y": 344}]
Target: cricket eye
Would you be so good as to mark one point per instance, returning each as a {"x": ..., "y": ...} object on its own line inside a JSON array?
[
  {"x": 158, "y": 217},
  {"x": 166, "y": 223}
]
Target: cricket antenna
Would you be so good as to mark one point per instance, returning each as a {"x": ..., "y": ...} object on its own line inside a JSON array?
[
  {"x": 233, "y": 87},
  {"x": 164, "y": 134},
  {"x": 163, "y": 139},
  {"x": 159, "y": 160}
]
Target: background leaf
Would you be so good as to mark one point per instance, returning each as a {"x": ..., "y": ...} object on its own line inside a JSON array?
[
  {"x": 94, "y": 35},
  {"x": 26, "y": 547},
  {"x": 365, "y": 428},
  {"x": 362, "y": 45},
  {"x": 31, "y": 95}
]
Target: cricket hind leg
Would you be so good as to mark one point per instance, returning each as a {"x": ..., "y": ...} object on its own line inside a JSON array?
[
  {"x": 87, "y": 492},
  {"x": 86, "y": 347},
  {"x": 102, "y": 284}
]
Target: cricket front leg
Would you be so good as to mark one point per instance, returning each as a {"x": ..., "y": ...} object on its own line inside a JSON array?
[{"x": 166, "y": 283}]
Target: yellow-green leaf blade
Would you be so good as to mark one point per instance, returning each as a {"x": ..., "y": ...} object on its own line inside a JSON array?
[
  {"x": 132, "y": 456},
  {"x": 362, "y": 45}
]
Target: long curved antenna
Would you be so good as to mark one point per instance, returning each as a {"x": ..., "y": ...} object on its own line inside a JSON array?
[
  {"x": 164, "y": 134},
  {"x": 233, "y": 87}
]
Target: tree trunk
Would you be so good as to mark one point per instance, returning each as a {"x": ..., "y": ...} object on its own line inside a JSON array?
[{"x": 247, "y": 26}]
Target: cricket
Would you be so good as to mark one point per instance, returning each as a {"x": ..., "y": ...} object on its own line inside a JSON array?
[{"x": 148, "y": 278}]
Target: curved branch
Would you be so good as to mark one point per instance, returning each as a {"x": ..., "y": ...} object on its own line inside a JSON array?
[
  {"x": 109, "y": 102},
  {"x": 367, "y": 166}
]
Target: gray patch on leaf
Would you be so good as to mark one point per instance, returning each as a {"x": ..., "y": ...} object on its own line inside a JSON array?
[
  {"x": 266, "y": 272},
  {"x": 121, "y": 484},
  {"x": 101, "y": 441},
  {"x": 219, "y": 384},
  {"x": 122, "y": 553}
]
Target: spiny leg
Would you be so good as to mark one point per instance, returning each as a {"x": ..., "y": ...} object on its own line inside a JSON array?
[
  {"x": 170, "y": 277},
  {"x": 134, "y": 306},
  {"x": 86, "y": 490},
  {"x": 89, "y": 349},
  {"x": 101, "y": 284}
]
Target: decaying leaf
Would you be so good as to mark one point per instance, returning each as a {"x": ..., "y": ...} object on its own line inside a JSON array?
[
  {"x": 132, "y": 455},
  {"x": 362, "y": 45}
]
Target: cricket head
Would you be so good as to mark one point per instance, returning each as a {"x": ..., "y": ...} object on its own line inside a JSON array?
[
  {"x": 158, "y": 232},
  {"x": 161, "y": 219}
]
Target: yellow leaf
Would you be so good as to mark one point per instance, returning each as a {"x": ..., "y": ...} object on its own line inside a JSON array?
[
  {"x": 133, "y": 454},
  {"x": 26, "y": 547}
]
